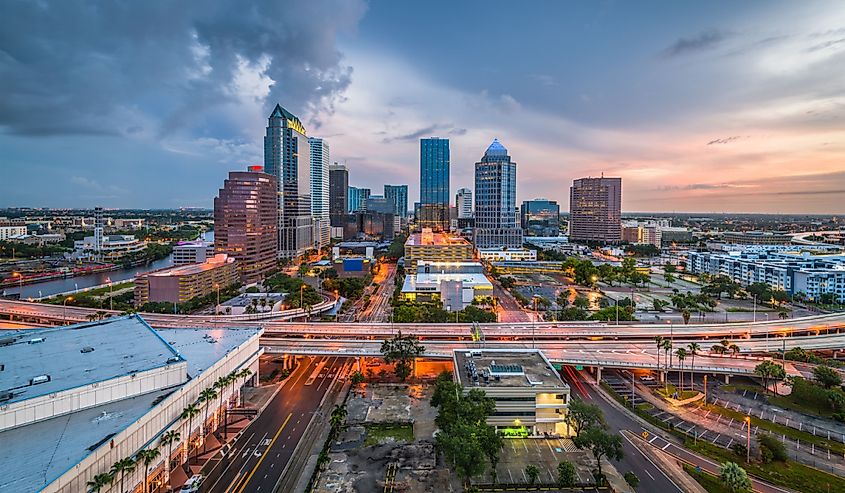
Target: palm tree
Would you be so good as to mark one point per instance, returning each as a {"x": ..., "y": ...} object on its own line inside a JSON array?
[
  {"x": 667, "y": 349},
  {"x": 91, "y": 317},
  {"x": 188, "y": 413},
  {"x": 206, "y": 396},
  {"x": 681, "y": 353},
  {"x": 100, "y": 481},
  {"x": 717, "y": 348},
  {"x": 147, "y": 456},
  {"x": 122, "y": 467},
  {"x": 734, "y": 349},
  {"x": 220, "y": 384},
  {"x": 658, "y": 341},
  {"x": 169, "y": 438},
  {"x": 693, "y": 349}
]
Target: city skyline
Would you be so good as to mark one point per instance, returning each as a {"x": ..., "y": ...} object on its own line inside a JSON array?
[{"x": 717, "y": 108}]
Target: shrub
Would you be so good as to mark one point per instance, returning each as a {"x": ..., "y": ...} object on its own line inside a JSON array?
[
  {"x": 632, "y": 479},
  {"x": 740, "y": 450},
  {"x": 773, "y": 448}
]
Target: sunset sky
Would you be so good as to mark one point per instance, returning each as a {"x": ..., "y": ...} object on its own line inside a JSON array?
[{"x": 699, "y": 107}]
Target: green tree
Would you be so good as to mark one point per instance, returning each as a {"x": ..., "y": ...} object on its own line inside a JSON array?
[
  {"x": 692, "y": 349},
  {"x": 99, "y": 482},
  {"x": 776, "y": 449},
  {"x": 190, "y": 411},
  {"x": 827, "y": 376},
  {"x": 581, "y": 302},
  {"x": 734, "y": 477},
  {"x": 769, "y": 370},
  {"x": 338, "y": 416},
  {"x": 122, "y": 467},
  {"x": 168, "y": 439},
  {"x": 632, "y": 479},
  {"x": 582, "y": 416},
  {"x": 205, "y": 398},
  {"x": 147, "y": 456},
  {"x": 681, "y": 353},
  {"x": 357, "y": 378},
  {"x": 658, "y": 341},
  {"x": 601, "y": 444},
  {"x": 686, "y": 315},
  {"x": 532, "y": 472},
  {"x": 402, "y": 350},
  {"x": 566, "y": 474}
]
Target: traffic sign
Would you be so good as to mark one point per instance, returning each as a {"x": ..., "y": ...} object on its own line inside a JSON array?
[{"x": 645, "y": 435}]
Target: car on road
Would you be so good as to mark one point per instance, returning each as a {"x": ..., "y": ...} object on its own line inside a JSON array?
[
  {"x": 647, "y": 378},
  {"x": 193, "y": 484}
]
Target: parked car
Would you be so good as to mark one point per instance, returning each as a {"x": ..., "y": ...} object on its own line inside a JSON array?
[
  {"x": 193, "y": 484},
  {"x": 647, "y": 378}
]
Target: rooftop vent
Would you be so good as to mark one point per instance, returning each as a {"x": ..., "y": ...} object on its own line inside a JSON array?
[
  {"x": 506, "y": 369},
  {"x": 174, "y": 359},
  {"x": 37, "y": 340},
  {"x": 87, "y": 349},
  {"x": 7, "y": 341},
  {"x": 5, "y": 396},
  {"x": 40, "y": 379}
]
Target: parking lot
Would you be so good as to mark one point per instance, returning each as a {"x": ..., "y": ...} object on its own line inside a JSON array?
[{"x": 545, "y": 453}]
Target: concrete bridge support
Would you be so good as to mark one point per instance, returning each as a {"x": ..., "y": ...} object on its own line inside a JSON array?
[{"x": 727, "y": 379}]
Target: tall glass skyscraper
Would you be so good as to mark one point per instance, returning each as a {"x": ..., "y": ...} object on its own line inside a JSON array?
[
  {"x": 398, "y": 196},
  {"x": 434, "y": 183},
  {"x": 320, "y": 191},
  {"x": 496, "y": 223},
  {"x": 338, "y": 185},
  {"x": 357, "y": 198},
  {"x": 287, "y": 156}
]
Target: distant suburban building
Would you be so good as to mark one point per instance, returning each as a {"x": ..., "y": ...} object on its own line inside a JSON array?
[
  {"x": 195, "y": 252},
  {"x": 434, "y": 184},
  {"x": 320, "y": 191},
  {"x": 287, "y": 156},
  {"x": 7, "y": 232},
  {"x": 463, "y": 203},
  {"x": 398, "y": 196},
  {"x": 338, "y": 184},
  {"x": 540, "y": 217},
  {"x": 74, "y": 400},
  {"x": 531, "y": 399},
  {"x": 808, "y": 272},
  {"x": 496, "y": 225},
  {"x": 595, "y": 210},
  {"x": 357, "y": 199},
  {"x": 436, "y": 247},
  {"x": 246, "y": 222},
  {"x": 454, "y": 284},
  {"x": 756, "y": 238},
  {"x": 185, "y": 282}
]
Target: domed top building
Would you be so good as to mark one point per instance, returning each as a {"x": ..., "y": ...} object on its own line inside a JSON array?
[{"x": 496, "y": 224}]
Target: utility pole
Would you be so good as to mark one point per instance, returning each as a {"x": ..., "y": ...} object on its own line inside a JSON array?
[{"x": 748, "y": 440}]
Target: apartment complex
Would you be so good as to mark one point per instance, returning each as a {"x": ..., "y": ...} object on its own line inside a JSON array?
[
  {"x": 183, "y": 283},
  {"x": 246, "y": 222},
  {"x": 595, "y": 210},
  {"x": 463, "y": 203},
  {"x": 436, "y": 247},
  {"x": 805, "y": 272},
  {"x": 287, "y": 156},
  {"x": 531, "y": 399},
  {"x": 357, "y": 199},
  {"x": 496, "y": 224},
  {"x": 7, "y": 232},
  {"x": 320, "y": 191}
]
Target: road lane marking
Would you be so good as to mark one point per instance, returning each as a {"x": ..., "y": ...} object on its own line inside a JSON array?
[{"x": 279, "y": 432}]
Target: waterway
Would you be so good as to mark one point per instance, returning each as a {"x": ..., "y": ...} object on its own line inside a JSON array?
[{"x": 56, "y": 286}]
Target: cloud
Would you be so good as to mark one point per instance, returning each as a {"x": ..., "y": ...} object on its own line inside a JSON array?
[
  {"x": 703, "y": 41},
  {"x": 726, "y": 140},
  {"x": 413, "y": 136},
  {"x": 90, "y": 68}
]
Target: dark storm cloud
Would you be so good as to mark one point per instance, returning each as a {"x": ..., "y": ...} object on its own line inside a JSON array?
[
  {"x": 702, "y": 41},
  {"x": 76, "y": 67}
]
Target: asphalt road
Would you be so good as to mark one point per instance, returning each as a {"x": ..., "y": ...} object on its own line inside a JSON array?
[
  {"x": 259, "y": 456},
  {"x": 651, "y": 477}
]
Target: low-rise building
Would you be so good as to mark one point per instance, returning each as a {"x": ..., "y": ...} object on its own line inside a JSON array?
[
  {"x": 530, "y": 397},
  {"x": 756, "y": 238},
  {"x": 7, "y": 232},
  {"x": 436, "y": 247},
  {"x": 111, "y": 248},
  {"x": 183, "y": 283},
  {"x": 507, "y": 254},
  {"x": 74, "y": 400},
  {"x": 192, "y": 252},
  {"x": 454, "y": 284}
]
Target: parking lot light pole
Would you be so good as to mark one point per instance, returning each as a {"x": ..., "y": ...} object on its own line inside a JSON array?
[{"x": 748, "y": 440}]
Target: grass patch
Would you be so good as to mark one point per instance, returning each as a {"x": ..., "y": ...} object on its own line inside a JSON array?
[
  {"x": 789, "y": 402},
  {"x": 779, "y": 429},
  {"x": 645, "y": 406},
  {"x": 793, "y": 475},
  {"x": 378, "y": 433},
  {"x": 707, "y": 481},
  {"x": 668, "y": 392}
]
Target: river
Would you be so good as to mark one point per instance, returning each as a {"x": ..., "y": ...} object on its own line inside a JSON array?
[{"x": 56, "y": 286}]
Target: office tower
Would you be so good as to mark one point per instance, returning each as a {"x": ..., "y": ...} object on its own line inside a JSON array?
[
  {"x": 463, "y": 202},
  {"x": 595, "y": 210},
  {"x": 540, "y": 217},
  {"x": 380, "y": 204},
  {"x": 495, "y": 200},
  {"x": 358, "y": 199},
  {"x": 398, "y": 195},
  {"x": 246, "y": 222},
  {"x": 320, "y": 191},
  {"x": 338, "y": 184},
  {"x": 98, "y": 229},
  {"x": 287, "y": 156},
  {"x": 434, "y": 184}
]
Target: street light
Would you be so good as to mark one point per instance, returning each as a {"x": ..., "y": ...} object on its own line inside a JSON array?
[
  {"x": 748, "y": 440},
  {"x": 217, "y": 307},
  {"x": 64, "y": 308},
  {"x": 20, "y": 281},
  {"x": 111, "y": 302}
]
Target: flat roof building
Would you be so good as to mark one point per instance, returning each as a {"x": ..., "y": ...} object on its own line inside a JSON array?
[
  {"x": 529, "y": 394},
  {"x": 595, "y": 210},
  {"x": 436, "y": 247},
  {"x": 192, "y": 252},
  {"x": 76, "y": 399},
  {"x": 181, "y": 284},
  {"x": 454, "y": 284}
]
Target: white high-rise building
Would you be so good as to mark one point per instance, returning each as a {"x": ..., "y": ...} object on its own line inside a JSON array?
[
  {"x": 496, "y": 224},
  {"x": 463, "y": 202},
  {"x": 320, "y": 191}
]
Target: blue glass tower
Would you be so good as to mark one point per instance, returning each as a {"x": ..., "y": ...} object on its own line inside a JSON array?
[
  {"x": 434, "y": 183},
  {"x": 496, "y": 223}
]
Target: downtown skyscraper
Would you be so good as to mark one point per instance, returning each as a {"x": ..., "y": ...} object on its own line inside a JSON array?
[
  {"x": 287, "y": 156},
  {"x": 434, "y": 184},
  {"x": 463, "y": 203},
  {"x": 320, "y": 191},
  {"x": 338, "y": 185},
  {"x": 595, "y": 210},
  {"x": 496, "y": 223},
  {"x": 398, "y": 196}
]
